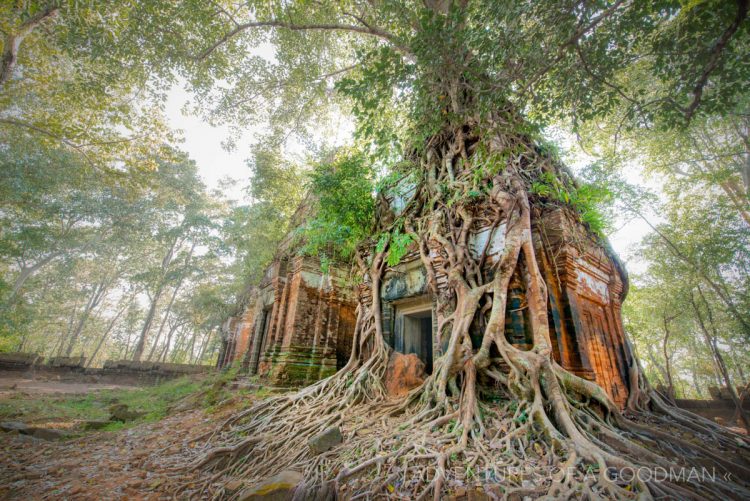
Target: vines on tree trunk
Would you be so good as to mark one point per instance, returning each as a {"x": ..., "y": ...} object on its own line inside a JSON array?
[{"x": 511, "y": 420}]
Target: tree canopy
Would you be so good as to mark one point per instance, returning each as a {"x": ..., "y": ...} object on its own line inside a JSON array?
[{"x": 111, "y": 243}]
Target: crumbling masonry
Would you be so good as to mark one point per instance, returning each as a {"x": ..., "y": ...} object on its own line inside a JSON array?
[{"x": 298, "y": 326}]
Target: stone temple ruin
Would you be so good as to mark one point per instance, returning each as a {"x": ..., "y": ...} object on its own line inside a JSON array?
[{"x": 299, "y": 324}]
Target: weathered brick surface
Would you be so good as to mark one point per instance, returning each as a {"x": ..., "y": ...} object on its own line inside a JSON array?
[
  {"x": 585, "y": 292},
  {"x": 12, "y": 361},
  {"x": 298, "y": 328}
]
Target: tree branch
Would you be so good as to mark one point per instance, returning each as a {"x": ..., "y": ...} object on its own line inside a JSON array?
[
  {"x": 239, "y": 28},
  {"x": 63, "y": 140},
  {"x": 713, "y": 60},
  {"x": 13, "y": 41},
  {"x": 577, "y": 35}
]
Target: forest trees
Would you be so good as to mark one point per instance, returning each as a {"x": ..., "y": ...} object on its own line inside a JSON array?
[
  {"x": 81, "y": 257},
  {"x": 72, "y": 77},
  {"x": 699, "y": 260},
  {"x": 454, "y": 94},
  {"x": 108, "y": 237}
]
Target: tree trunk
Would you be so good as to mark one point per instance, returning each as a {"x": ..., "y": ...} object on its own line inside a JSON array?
[
  {"x": 171, "y": 302},
  {"x": 96, "y": 296},
  {"x": 738, "y": 365},
  {"x": 106, "y": 333},
  {"x": 178, "y": 345},
  {"x": 141, "y": 343},
  {"x": 165, "y": 262},
  {"x": 694, "y": 371},
  {"x": 711, "y": 341},
  {"x": 12, "y": 41},
  {"x": 172, "y": 329},
  {"x": 64, "y": 336},
  {"x": 28, "y": 271},
  {"x": 192, "y": 346},
  {"x": 667, "y": 359},
  {"x": 161, "y": 326},
  {"x": 204, "y": 345}
]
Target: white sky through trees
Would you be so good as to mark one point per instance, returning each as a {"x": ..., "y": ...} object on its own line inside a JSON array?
[{"x": 203, "y": 142}]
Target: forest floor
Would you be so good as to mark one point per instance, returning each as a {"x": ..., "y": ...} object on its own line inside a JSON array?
[
  {"x": 141, "y": 458},
  {"x": 123, "y": 460},
  {"x": 13, "y": 384}
]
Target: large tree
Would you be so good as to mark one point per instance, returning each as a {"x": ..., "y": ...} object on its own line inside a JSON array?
[
  {"x": 72, "y": 76},
  {"x": 452, "y": 94}
]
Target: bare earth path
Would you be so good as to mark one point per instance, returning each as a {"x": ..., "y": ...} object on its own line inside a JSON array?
[
  {"x": 144, "y": 460},
  {"x": 12, "y": 383},
  {"x": 127, "y": 464}
]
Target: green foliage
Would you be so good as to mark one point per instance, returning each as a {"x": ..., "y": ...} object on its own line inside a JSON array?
[
  {"x": 522, "y": 418},
  {"x": 644, "y": 65},
  {"x": 399, "y": 246},
  {"x": 154, "y": 402},
  {"x": 700, "y": 254},
  {"x": 66, "y": 232},
  {"x": 253, "y": 231},
  {"x": 585, "y": 200},
  {"x": 342, "y": 194},
  {"x": 83, "y": 83},
  {"x": 382, "y": 79}
]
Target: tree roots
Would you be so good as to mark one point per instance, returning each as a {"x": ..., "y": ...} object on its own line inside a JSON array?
[{"x": 510, "y": 421}]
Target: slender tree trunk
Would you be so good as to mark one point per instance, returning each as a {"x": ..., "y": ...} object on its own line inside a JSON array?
[
  {"x": 172, "y": 329},
  {"x": 171, "y": 302},
  {"x": 737, "y": 201},
  {"x": 140, "y": 344},
  {"x": 106, "y": 333},
  {"x": 694, "y": 370},
  {"x": 127, "y": 345},
  {"x": 161, "y": 326},
  {"x": 204, "y": 345},
  {"x": 28, "y": 271},
  {"x": 738, "y": 365},
  {"x": 96, "y": 296},
  {"x": 22, "y": 344},
  {"x": 12, "y": 41},
  {"x": 63, "y": 337},
  {"x": 667, "y": 359},
  {"x": 165, "y": 262},
  {"x": 179, "y": 343},
  {"x": 711, "y": 340},
  {"x": 192, "y": 346},
  {"x": 659, "y": 367}
]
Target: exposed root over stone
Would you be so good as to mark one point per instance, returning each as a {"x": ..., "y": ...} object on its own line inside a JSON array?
[{"x": 511, "y": 421}]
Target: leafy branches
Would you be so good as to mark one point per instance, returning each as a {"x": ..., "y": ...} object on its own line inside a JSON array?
[
  {"x": 587, "y": 200},
  {"x": 343, "y": 206}
]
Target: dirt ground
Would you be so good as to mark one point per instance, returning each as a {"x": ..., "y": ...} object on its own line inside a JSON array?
[
  {"x": 135, "y": 463},
  {"x": 15, "y": 382},
  {"x": 144, "y": 460}
]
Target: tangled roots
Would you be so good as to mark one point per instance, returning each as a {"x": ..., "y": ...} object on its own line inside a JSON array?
[{"x": 511, "y": 422}]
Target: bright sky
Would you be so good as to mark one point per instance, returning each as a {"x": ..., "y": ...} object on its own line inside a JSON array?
[{"x": 204, "y": 145}]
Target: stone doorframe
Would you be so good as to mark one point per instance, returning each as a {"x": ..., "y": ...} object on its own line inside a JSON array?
[{"x": 393, "y": 318}]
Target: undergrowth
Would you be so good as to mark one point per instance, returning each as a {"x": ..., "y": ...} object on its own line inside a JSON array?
[{"x": 153, "y": 402}]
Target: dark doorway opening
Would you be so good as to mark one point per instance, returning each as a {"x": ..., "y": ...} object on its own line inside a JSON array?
[
  {"x": 416, "y": 336},
  {"x": 261, "y": 341}
]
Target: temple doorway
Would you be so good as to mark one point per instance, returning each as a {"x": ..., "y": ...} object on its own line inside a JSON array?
[{"x": 414, "y": 332}]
